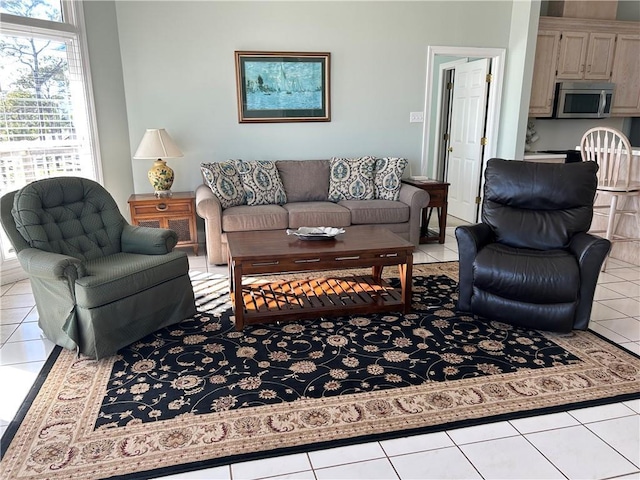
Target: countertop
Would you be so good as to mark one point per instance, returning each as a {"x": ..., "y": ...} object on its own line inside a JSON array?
[
  {"x": 538, "y": 155},
  {"x": 544, "y": 157},
  {"x": 635, "y": 151}
]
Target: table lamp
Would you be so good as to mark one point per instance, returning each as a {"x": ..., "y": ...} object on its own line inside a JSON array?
[{"x": 156, "y": 143}]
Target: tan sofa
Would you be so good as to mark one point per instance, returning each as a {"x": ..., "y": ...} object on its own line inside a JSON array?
[{"x": 306, "y": 183}]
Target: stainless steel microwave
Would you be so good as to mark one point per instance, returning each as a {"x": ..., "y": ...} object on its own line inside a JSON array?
[{"x": 583, "y": 100}]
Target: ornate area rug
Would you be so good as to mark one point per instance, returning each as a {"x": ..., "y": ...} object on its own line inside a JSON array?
[{"x": 200, "y": 394}]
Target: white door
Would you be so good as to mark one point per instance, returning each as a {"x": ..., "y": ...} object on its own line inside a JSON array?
[{"x": 465, "y": 147}]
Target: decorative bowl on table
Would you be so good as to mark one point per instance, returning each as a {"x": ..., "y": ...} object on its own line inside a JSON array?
[{"x": 315, "y": 233}]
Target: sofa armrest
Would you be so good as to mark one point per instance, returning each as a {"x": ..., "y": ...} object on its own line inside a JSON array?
[
  {"x": 417, "y": 199},
  {"x": 209, "y": 208},
  {"x": 147, "y": 240}
]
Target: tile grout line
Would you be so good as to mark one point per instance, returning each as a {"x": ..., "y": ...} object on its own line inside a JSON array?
[
  {"x": 544, "y": 456},
  {"x": 611, "y": 446}
]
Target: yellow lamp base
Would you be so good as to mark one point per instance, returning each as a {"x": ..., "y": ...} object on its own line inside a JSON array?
[{"x": 161, "y": 178}]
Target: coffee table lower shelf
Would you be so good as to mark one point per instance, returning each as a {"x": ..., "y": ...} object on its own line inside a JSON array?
[{"x": 314, "y": 298}]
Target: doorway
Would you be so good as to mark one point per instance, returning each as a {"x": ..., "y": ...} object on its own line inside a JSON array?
[
  {"x": 462, "y": 159},
  {"x": 444, "y": 97},
  {"x": 465, "y": 177}
]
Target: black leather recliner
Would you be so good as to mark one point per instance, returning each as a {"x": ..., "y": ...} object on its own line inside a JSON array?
[{"x": 531, "y": 261}]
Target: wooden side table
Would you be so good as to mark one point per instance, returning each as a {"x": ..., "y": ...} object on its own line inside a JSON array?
[
  {"x": 438, "y": 192},
  {"x": 177, "y": 213}
]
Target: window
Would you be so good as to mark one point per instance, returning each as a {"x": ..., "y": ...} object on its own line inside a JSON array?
[
  {"x": 42, "y": 9},
  {"x": 46, "y": 111}
]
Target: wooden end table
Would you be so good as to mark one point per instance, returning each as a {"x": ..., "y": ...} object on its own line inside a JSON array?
[
  {"x": 177, "y": 212},
  {"x": 269, "y": 252},
  {"x": 438, "y": 193}
]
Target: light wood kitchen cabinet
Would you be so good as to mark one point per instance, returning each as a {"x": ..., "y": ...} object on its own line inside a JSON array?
[
  {"x": 544, "y": 74},
  {"x": 626, "y": 76},
  {"x": 586, "y": 56},
  {"x": 600, "y": 55},
  {"x": 573, "y": 50},
  {"x": 587, "y": 49}
]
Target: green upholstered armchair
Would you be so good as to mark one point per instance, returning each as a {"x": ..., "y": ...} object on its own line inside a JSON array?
[{"x": 99, "y": 283}]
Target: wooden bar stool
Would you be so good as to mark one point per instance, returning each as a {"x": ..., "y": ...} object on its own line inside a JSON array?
[{"x": 611, "y": 149}]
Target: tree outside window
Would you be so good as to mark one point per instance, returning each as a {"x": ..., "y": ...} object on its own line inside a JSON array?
[{"x": 45, "y": 128}]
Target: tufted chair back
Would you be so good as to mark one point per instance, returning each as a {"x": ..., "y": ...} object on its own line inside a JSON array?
[
  {"x": 538, "y": 206},
  {"x": 69, "y": 215}
]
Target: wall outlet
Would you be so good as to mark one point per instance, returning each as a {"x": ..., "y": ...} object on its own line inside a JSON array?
[{"x": 416, "y": 117}]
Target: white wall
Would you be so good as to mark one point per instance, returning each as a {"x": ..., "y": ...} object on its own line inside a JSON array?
[{"x": 178, "y": 67}]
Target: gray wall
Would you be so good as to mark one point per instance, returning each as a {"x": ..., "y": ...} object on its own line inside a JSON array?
[
  {"x": 178, "y": 68},
  {"x": 108, "y": 93},
  {"x": 518, "y": 79},
  {"x": 628, "y": 10},
  {"x": 563, "y": 134}
]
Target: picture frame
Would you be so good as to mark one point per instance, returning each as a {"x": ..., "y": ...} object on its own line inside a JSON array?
[{"x": 283, "y": 86}]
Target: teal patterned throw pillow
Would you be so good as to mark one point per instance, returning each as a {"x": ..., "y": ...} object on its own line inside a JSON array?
[
  {"x": 351, "y": 179},
  {"x": 261, "y": 182},
  {"x": 388, "y": 177},
  {"x": 225, "y": 183}
]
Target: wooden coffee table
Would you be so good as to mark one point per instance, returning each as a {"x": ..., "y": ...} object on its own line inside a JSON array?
[{"x": 263, "y": 253}]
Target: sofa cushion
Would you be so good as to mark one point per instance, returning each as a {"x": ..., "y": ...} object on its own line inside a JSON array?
[
  {"x": 376, "y": 211},
  {"x": 388, "y": 177},
  {"x": 257, "y": 217},
  {"x": 261, "y": 182},
  {"x": 317, "y": 214},
  {"x": 305, "y": 180},
  {"x": 351, "y": 179},
  {"x": 224, "y": 181}
]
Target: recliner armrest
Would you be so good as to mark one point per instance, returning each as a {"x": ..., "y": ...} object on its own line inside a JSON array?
[
  {"x": 471, "y": 239},
  {"x": 147, "y": 240},
  {"x": 474, "y": 236},
  {"x": 583, "y": 246},
  {"x": 590, "y": 251},
  {"x": 48, "y": 265}
]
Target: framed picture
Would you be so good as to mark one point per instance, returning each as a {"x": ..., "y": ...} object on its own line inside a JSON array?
[{"x": 283, "y": 87}]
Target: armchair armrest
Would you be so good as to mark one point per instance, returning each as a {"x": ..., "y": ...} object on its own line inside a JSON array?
[
  {"x": 147, "y": 240},
  {"x": 209, "y": 208},
  {"x": 471, "y": 239},
  {"x": 590, "y": 251},
  {"x": 417, "y": 199},
  {"x": 51, "y": 266}
]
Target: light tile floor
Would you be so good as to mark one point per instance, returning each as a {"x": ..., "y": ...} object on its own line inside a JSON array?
[{"x": 591, "y": 443}]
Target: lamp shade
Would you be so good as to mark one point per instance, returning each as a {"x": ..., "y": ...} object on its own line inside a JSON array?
[{"x": 156, "y": 143}]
